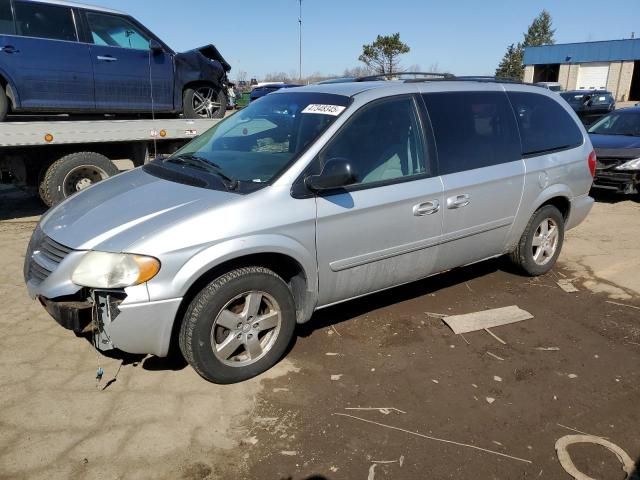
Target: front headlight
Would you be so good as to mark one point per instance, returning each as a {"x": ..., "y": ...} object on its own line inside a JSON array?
[
  {"x": 114, "y": 270},
  {"x": 630, "y": 165}
]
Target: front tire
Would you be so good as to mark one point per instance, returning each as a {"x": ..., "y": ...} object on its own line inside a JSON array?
[
  {"x": 541, "y": 242},
  {"x": 204, "y": 102},
  {"x": 238, "y": 326}
]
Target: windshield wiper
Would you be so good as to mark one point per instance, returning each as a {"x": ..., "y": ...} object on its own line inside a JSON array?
[{"x": 206, "y": 165}]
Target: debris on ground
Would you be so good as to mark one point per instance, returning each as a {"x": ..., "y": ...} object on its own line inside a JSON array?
[
  {"x": 495, "y": 356},
  {"x": 490, "y": 400},
  {"x": 336, "y": 377},
  {"x": 383, "y": 410},
  {"x": 564, "y": 458},
  {"x": 548, "y": 349},
  {"x": 428, "y": 437},
  {"x": 567, "y": 285},
  {"x": 471, "y": 322}
]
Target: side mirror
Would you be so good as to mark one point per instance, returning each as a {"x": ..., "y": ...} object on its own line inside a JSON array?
[
  {"x": 155, "y": 46},
  {"x": 336, "y": 173}
]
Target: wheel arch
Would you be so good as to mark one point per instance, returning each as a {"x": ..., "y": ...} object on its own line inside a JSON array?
[
  {"x": 7, "y": 84},
  {"x": 558, "y": 195},
  {"x": 300, "y": 280}
]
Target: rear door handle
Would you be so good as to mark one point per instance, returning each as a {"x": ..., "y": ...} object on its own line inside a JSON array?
[
  {"x": 458, "y": 201},
  {"x": 106, "y": 58},
  {"x": 9, "y": 49},
  {"x": 426, "y": 208}
]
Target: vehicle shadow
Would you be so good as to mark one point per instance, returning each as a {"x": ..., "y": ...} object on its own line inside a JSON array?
[
  {"x": 16, "y": 204},
  {"x": 345, "y": 311},
  {"x": 635, "y": 475},
  {"x": 606, "y": 196}
]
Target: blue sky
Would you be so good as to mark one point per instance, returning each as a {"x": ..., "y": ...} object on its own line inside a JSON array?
[{"x": 465, "y": 37}]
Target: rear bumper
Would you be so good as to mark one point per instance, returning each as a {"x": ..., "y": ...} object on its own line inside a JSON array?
[{"x": 580, "y": 208}]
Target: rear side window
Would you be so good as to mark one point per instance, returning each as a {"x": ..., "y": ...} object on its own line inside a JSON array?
[
  {"x": 6, "y": 18},
  {"x": 544, "y": 125},
  {"x": 472, "y": 130},
  {"x": 45, "y": 21}
]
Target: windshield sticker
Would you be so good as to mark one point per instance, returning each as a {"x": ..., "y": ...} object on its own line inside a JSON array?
[{"x": 334, "y": 110}]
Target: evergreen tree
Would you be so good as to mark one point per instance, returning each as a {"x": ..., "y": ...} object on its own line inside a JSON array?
[
  {"x": 511, "y": 64},
  {"x": 382, "y": 56},
  {"x": 540, "y": 32}
]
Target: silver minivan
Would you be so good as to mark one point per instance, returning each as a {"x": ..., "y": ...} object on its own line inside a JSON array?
[{"x": 306, "y": 198}]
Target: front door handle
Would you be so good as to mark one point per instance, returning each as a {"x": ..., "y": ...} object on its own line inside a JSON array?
[
  {"x": 9, "y": 49},
  {"x": 458, "y": 201},
  {"x": 426, "y": 208},
  {"x": 106, "y": 58}
]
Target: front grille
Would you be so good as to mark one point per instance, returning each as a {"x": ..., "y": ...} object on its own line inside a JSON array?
[{"x": 44, "y": 258}]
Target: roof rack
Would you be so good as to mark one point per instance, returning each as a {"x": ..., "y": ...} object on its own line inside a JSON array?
[{"x": 397, "y": 75}]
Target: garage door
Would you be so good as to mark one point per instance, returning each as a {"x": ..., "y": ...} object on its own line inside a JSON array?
[{"x": 593, "y": 75}]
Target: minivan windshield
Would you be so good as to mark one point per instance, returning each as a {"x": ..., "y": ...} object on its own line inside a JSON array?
[
  {"x": 258, "y": 142},
  {"x": 618, "y": 123}
]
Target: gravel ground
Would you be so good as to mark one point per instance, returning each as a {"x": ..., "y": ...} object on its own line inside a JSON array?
[{"x": 369, "y": 389}]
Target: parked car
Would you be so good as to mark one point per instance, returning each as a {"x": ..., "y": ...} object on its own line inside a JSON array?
[
  {"x": 590, "y": 104},
  {"x": 616, "y": 139},
  {"x": 307, "y": 198},
  {"x": 553, "y": 86},
  {"x": 267, "y": 88},
  {"x": 64, "y": 57}
]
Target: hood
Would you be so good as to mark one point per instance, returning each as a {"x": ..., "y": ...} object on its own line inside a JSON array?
[
  {"x": 208, "y": 51},
  {"x": 124, "y": 209},
  {"x": 621, "y": 146}
]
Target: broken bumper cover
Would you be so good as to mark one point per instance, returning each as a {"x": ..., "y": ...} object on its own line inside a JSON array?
[{"x": 134, "y": 328}]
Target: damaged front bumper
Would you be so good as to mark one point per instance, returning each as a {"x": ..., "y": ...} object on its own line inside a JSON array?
[
  {"x": 619, "y": 181},
  {"x": 134, "y": 328}
]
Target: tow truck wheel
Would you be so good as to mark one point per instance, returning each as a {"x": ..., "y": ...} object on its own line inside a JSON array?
[
  {"x": 73, "y": 173},
  {"x": 204, "y": 101}
]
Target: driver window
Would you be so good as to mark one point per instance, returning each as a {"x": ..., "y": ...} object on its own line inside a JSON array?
[
  {"x": 382, "y": 142},
  {"x": 113, "y": 31}
]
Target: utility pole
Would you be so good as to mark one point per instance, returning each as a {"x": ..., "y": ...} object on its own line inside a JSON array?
[{"x": 300, "y": 43}]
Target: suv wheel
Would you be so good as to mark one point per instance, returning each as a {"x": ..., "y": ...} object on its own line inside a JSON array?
[
  {"x": 238, "y": 326},
  {"x": 541, "y": 241},
  {"x": 204, "y": 102},
  {"x": 4, "y": 105}
]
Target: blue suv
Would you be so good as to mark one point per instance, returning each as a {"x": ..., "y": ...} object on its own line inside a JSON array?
[{"x": 58, "y": 56}]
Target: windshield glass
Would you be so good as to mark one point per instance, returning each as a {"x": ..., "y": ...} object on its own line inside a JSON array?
[
  {"x": 618, "y": 123},
  {"x": 258, "y": 142}
]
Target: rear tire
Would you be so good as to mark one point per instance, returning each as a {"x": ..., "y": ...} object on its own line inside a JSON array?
[
  {"x": 541, "y": 242},
  {"x": 204, "y": 101},
  {"x": 238, "y": 326},
  {"x": 4, "y": 105},
  {"x": 72, "y": 173}
]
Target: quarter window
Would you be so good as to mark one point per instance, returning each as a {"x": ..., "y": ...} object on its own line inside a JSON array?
[
  {"x": 472, "y": 130},
  {"x": 113, "y": 31},
  {"x": 7, "y": 26},
  {"x": 544, "y": 125},
  {"x": 45, "y": 21},
  {"x": 382, "y": 142}
]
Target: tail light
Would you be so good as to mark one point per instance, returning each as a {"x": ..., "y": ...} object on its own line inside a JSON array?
[{"x": 592, "y": 163}]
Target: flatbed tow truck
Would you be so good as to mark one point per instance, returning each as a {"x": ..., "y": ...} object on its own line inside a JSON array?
[{"x": 57, "y": 158}]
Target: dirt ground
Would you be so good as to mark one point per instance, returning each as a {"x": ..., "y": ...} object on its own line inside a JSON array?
[{"x": 371, "y": 389}]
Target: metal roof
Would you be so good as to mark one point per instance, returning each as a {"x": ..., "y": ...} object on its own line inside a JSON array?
[
  {"x": 604, "y": 51},
  {"x": 80, "y": 5}
]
